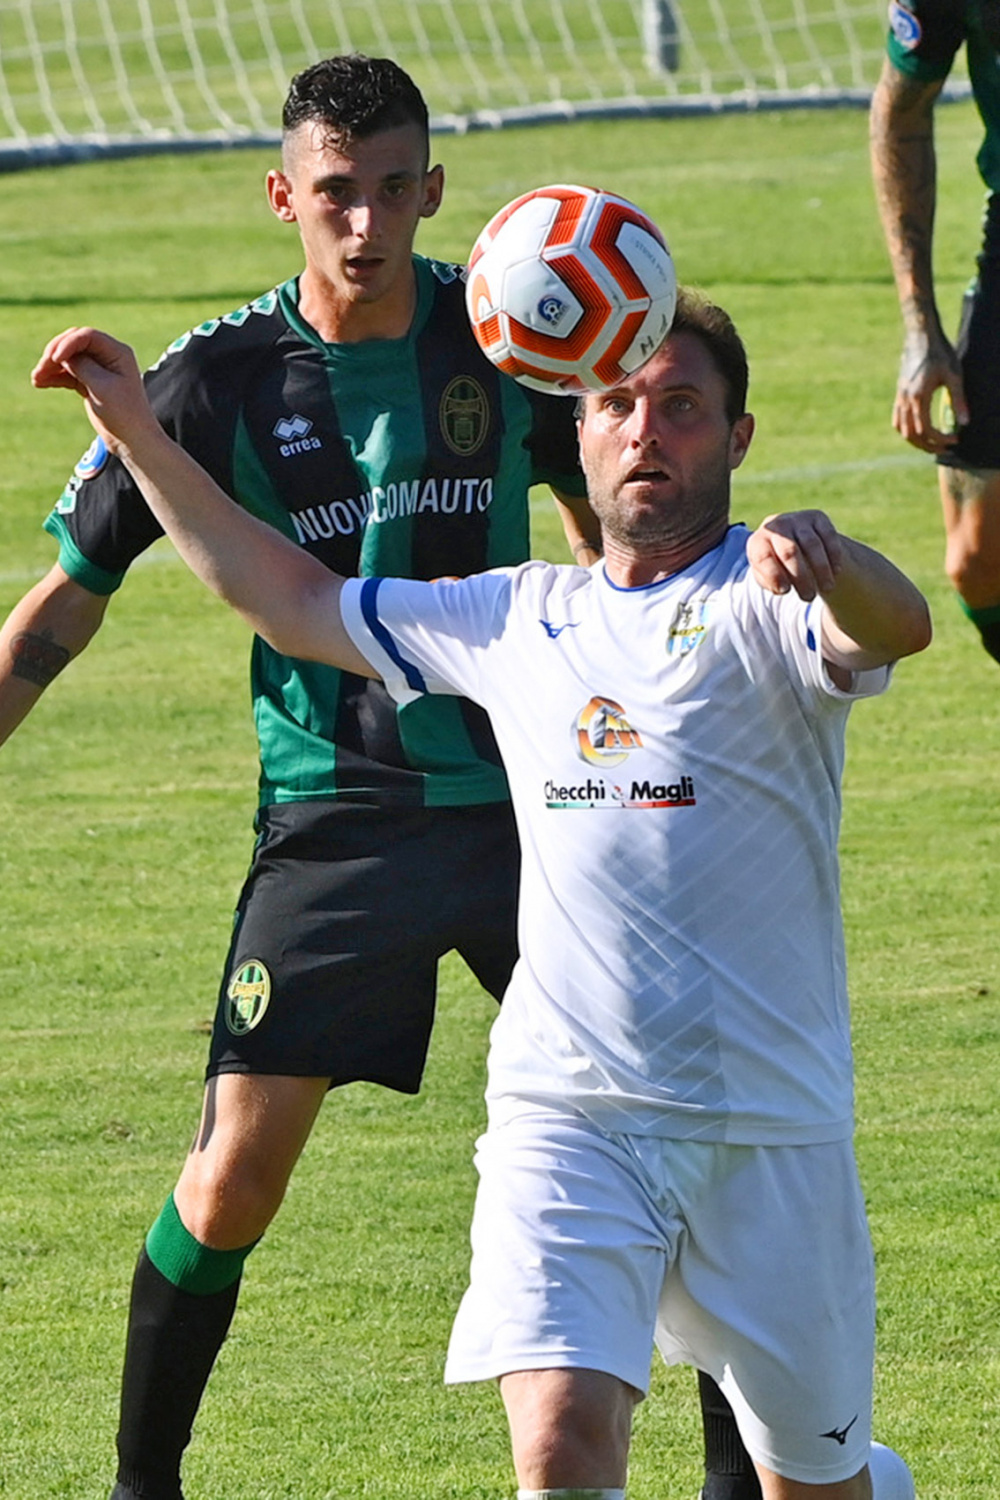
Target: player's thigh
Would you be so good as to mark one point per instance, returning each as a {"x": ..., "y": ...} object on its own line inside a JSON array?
[
  {"x": 333, "y": 962},
  {"x": 568, "y": 1256},
  {"x": 772, "y": 1293}
]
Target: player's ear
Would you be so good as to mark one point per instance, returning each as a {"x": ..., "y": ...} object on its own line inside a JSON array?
[
  {"x": 433, "y": 192},
  {"x": 279, "y": 195},
  {"x": 740, "y": 438}
]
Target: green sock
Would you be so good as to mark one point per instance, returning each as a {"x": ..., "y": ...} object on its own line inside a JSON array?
[
  {"x": 186, "y": 1262},
  {"x": 987, "y": 622}
]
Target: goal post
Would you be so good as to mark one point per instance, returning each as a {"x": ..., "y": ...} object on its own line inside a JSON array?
[{"x": 80, "y": 78}]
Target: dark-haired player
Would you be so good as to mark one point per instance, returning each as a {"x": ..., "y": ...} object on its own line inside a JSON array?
[{"x": 924, "y": 38}]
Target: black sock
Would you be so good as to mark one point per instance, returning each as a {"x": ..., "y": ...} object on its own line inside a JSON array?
[
  {"x": 729, "y": 1470},
  {"x": 990, "y": 633},
  {"x": 173, "y": 1340}
]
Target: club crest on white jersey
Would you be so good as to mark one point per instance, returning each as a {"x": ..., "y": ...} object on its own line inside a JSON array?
[{"x": 687, "y": 629}]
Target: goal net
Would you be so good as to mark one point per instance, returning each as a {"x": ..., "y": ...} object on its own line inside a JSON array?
[{"x": 82, "y": 77}]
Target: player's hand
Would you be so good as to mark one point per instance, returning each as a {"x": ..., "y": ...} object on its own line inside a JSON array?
[
  {"x": 105, "y": 373},
  {"x": 798, "y": 549},
  {"x": 927, "y": 366}
]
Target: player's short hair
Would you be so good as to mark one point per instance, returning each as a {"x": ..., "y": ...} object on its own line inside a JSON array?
[
  {"x": 353, "y": 96},
  {"x": 696, "y": 315},
  {"x": 706, "y": 321}
]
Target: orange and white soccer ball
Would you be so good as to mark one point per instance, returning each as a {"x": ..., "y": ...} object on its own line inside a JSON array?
[{"x": 570, "y": 289}]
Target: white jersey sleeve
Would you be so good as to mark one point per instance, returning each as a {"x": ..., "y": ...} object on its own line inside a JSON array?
[{"x": 440, "y": 631}]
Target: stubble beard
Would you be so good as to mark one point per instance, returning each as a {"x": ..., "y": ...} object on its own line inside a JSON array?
[{"x": 698, "y": 513}]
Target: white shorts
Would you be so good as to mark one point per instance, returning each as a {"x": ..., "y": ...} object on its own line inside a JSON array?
[{"x": 752, "y": 1263}]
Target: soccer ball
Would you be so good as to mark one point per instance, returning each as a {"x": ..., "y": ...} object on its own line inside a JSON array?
[{"x": 570, "y": 289}]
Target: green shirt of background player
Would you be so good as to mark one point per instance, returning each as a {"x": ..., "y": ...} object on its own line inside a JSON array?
[{"x": 924, "y": 38}]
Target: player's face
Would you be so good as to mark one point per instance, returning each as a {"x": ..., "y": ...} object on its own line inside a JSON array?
[
  {"x": 659, "y": 449},
  {"x": 357, "y": 205}
]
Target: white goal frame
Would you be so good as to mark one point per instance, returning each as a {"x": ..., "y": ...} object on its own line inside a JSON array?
[{"x": 86, "y": 78}]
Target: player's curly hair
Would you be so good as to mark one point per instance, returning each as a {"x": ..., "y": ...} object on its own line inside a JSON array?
[{"x": 353, "y": 96}]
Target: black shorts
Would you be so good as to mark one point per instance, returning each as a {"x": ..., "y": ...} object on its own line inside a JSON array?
[
  {"x": 345, "y": 912},
  {"x": 978, "y": 348}
]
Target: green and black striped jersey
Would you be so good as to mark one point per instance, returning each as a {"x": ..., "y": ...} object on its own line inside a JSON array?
[
  {"x": 924, "y": 37},
  {"x": 408, "y": 457}
]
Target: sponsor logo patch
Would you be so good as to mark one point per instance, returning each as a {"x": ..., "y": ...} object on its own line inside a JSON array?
[
  {"x": 905, "y": 26},
  {"x": 595, "y": 795},
  {"x": 293, "y": 435},
  {"x": 603, "y": 734},
  {"x": 247, "y": 997},
  {"x": 464, "y": 415}
]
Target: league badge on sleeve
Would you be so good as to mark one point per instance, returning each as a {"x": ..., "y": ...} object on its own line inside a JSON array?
[
  {"x": 93, "y": 461},
  {"x": 905, "y": 26}
]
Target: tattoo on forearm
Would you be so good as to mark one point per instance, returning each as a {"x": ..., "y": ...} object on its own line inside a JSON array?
[{"x": 37, "y": 658}]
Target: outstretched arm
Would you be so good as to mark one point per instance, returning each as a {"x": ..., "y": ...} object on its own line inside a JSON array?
[
  {"x": 904, "y": 170},
  {"x": 287, "y": 596},
  {"x": 873, "y": 615}
]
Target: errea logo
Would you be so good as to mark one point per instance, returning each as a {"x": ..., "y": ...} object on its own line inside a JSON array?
[{"x": 293, "y": 435}]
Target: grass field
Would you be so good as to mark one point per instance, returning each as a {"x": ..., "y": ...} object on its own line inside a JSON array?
[{"x": 126, "y": 802}]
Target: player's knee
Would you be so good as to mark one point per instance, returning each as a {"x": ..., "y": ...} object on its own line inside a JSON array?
[
  {"x": 568, "y": 1428},
  {"x": 229, "y": 1205},
  {"x": 974, "y": 571}
]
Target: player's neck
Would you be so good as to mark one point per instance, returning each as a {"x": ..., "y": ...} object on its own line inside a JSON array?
[
  {"x": 341, "y": 320},
  {"x": 637, "y": 567}
]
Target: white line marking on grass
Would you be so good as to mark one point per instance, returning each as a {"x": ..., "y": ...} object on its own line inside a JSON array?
[{"x": 832, "y": 471}]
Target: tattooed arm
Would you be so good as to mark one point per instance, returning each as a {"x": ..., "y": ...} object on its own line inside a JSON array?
[
  {"x": 904, "y": 171},
  {"x": 52, "y": 624}
]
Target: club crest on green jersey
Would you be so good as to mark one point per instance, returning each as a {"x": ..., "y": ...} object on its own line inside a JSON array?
[
  {"x": 247, "y": 997},
  {"x": 464, "y": 415}
]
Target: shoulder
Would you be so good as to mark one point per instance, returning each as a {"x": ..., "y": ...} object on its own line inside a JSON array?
[
  {"x": 445, "y": 281},
  {"x": 219, "y": 352}
]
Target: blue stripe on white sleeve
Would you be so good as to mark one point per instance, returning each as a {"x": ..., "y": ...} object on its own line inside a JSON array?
[{"x": 369, "y": 610}]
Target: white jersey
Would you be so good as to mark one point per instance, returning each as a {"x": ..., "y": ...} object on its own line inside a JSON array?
[{"x": 675, "y": 755}]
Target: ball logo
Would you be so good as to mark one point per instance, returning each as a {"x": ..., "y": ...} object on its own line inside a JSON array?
[
  {"x": 905, "y": 26},
  {"x": 603, "y": 735},
  {"x": 247, "y": 997},
  {"x": 552, "y": 310}
]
